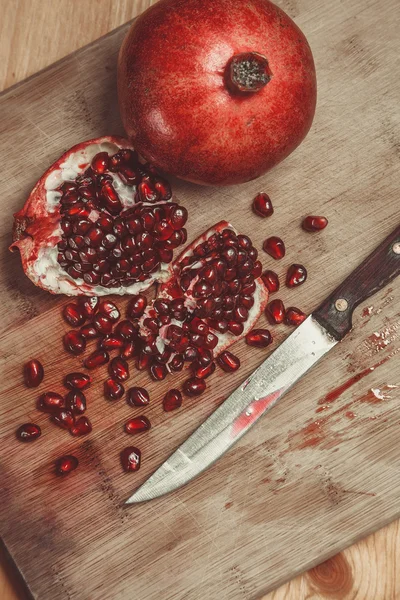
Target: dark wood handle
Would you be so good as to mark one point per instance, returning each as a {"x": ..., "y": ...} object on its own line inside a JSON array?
[{"x": 376, "y": 271}]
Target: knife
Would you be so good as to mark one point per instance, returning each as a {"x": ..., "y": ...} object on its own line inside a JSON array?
[{"x": 320, "y": 332}]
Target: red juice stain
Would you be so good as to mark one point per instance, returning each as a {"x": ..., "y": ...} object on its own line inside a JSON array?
[
  {"x": 228, "y": 504},
  {"x": 367, "y": 311},
  {"x": 349, "y": 414},
  {"x": 253, "y": 412}
]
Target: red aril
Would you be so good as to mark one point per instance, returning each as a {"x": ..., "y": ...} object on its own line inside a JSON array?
[
  {"x": 90, "y": 305},
  {"x": 136, "y": 306},
  {"x": 29, "y": 432},
  {"x": 313, "y": 224},
  {"x": 126, "y": 330},
  {"x": 74, "y": 314},
  {"x": 75, "y": 402},
  {"x": 83, "y": 231},
  {"x": 294, "y": 316},
  {"x": 130, "y": 458},
  {"x": 50, "y": 402},
  {"x": 96, "y": 359},
  {"x": 138, "y": 396},
  {"x": 271, "y": 281},
  {"x": 275, "y": 247},
  {"x": 203, "y": 372},
  {"x": 74, "y": 342},
  {"x": 110, "y": 310},
  {"x": 103, "y": 324},
  {"x": 77, "y": 381},
  {"x": 245, "y": 91},
  {"x": 66, "y": 464},
  {"x": 89, "y": 332},
  {"x": 63, "y": 418},
  {"x": 33, "y": 373},
  {"x": 262, "y": 205},
  {"x": 119, "y": 369},
  {"x": 158, "y": 372},
  {"x": 137, "y": 425},
  {"x": 194, "y": 387},
  {"x": 129, "y": 350},
  {"x": 113, "y": 390},
  {"x": 172, "y": 400},
  {"x": 111, "y": 342},
  {"x": 296, "y": 275},
  {"x": 228, "y": 362},
  {"x": 82, "y": 427},
  {"x": 275, "y": 311},
  {"x": 259, "y": 338}
]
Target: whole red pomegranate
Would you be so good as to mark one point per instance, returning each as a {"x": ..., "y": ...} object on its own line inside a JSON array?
[{"x": 216, "y": 91}]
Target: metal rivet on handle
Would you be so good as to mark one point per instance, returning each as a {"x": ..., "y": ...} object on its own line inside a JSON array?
[
  {"x": 341, "y": 304},
  {"x": 396, "y": 247}
]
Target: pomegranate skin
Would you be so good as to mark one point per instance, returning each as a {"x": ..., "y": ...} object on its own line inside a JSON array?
[{"x": 178, "y": 106}]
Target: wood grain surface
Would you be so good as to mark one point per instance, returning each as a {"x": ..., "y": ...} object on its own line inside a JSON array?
[{"x": 277, "y": 504}]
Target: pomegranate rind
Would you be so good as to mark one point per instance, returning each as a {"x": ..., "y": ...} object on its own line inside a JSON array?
[{"x": 37, "y": 231}]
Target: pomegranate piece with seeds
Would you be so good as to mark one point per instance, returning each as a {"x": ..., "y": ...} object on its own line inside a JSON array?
[
  {"x": 262, "y": 205},
  {"x": 275, "y": 247},
  {"x": 312, "y": 223},
  {"x": 75, "y": 402},
  {"x": 74, "y": 342},
  {"x": 113, "y": 390},
  {"x": 130, "y": 459},
  {"x": 294, "y": 316},
  {"x": 28, "y": 432},
  {"x": 172, "y": 400},
  {"x": 259, "y": 338},
  {"x": 228, "y": 362},
  {"x": 33, "y": 373},
  {"x": 296, "y": 275},
  {"x": 271, "y": 281},
  {"x": 98, "y": 226},
  {"x": 82, "y": 427},
  {"x": 77, "y": 381},
  {"x": 50, "y": 402},
  {"x": 138, "y": 396},
  {"x": 194, "y": 387},
  {"x": 275, "y": 312},
  {"x": 137, "y": 425},
  {"x": 66, "y": 464}
]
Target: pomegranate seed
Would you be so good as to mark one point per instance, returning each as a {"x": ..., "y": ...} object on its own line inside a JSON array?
[
  {"x": 113, "y": 390},
  {"x": 178, "y": 217},
  {"x": 211, "y": 341},
  {"x": 110, "y": 310},
  {"x": 126, "y": 329},
  {"x": 257, "y": 269},
  {"x": 130, "y": 458},
  {"x": 275, "y": 247},
  {"x": 33, "y": 373},
  {"x": 275, "y": 311},
  {"x": 99, "y": 163},
  {"x": 66, "y": 464},
  {"x": 89, "y": 332},
  {"x": 103, "y": 324},
  {"x": 28, "y": 432},
  {"x": 110, "y": 197},
  {"x": 158, "y": 372},
  {"x": 119, "y": 369},
  {"x": 74, "y": 314},
  {"x": 262, "y": 205},
  {"x": 63, "y": 418},
  {"x": 137, "y": 396},
  {"x": 246, "y": 302},
  {"x": 77, "y": 381},
  {"x": 204, "y": 357},
  {"x": 194, "y": 386},
  {"x": 296, "y": 275},
  {"x": 50, "y": 402},
  {"x": 75, "y": 402},
  {"x": 137, "y": 306},
  {"x": 129, "y": 350},
  {"x": 221, "y": 325},
  {"x": 259, "y": 338},
  {"x": 204, "y": 372},
  {"x": 146, "y": 192},
  {"x": 89, "y": 305},
  {"x": 235, "y": 327},
  {"x": 271, "y": 281},
  {"x": 228, "y": 362},
  {"x": 111, "y": 342},
  {"x": 241, "y": 313},
  {"x": 74, "y": 342},
  {"x": 176, "y": 363},
  {"x": 312, "y": 223},
  {"x": 172, "y": 400},
  {"x": 143, "y": 361},
  {"x": 294, "y": 316},
  {"x": 137, "y": 425},
  {"x": 163, "y": 189},
  {"x": 82, "y": 427},
  {"x": 96, "y": 359}
]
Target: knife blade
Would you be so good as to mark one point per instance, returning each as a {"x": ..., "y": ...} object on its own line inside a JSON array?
[{"x": 318, "y": 334}]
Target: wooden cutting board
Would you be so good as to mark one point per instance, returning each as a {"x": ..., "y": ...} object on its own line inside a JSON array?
[{"x": 303, "y": 484}]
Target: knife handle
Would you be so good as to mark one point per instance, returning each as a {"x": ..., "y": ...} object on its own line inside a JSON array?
[{"x": 374, "y": 273}]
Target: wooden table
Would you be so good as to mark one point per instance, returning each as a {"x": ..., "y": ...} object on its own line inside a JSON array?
[{"x": 35, "y": 33}]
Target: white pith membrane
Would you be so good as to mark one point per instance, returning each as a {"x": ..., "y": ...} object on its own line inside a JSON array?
[
  {"x": 225, "y": 340},
  {"x": 38, "y": 245}
]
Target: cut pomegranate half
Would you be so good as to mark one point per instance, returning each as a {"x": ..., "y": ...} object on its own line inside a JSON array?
[
  {"x": 213, "y": 299},
  {"x": 99, "y": 222}
]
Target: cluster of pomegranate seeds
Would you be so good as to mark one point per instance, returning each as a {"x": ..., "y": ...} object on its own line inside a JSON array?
[
  {"x": 66, "y": 464},
  {"x": 262, "y": 205},
  {"x": 33, "y": 373},
  {"x": 107, "y": 245}
]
